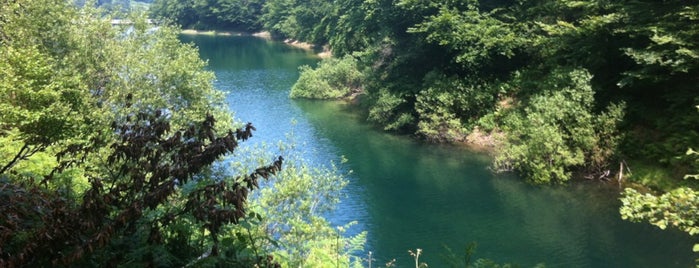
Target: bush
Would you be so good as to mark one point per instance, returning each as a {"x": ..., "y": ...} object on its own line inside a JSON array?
[
  {"x": 558, "y": 131},
  {"x": 387, "y": 110},
  {"x": 332, "y": 79},
  {"x": 449, "y": 106}
]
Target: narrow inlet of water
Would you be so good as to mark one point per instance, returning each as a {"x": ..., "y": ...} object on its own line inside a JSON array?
[{"x": 410, "y": 195}]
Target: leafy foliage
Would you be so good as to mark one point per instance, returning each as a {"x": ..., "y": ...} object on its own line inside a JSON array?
[
  {"x": 666, "y": 49},
  {"x": 293, "y": 210},
  {"x": 558, "y": 131},
  {"x": 676, "y": 208},
  {"x": 144, "y": 170},
  {"x": 43, "y": 103},
  {"x": 332, "y": 79},
  {"x": 310, "y": 21},
  {"x": 385, "y": 110},
  {"x": 449, "y": 105},
  {"x": 239, "y": 15},
  {"x": 479, "y": 40},
  {"x": 111, "y": 136}
]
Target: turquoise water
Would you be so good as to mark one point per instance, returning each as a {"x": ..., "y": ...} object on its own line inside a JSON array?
[{"x": 410, "y": 195}]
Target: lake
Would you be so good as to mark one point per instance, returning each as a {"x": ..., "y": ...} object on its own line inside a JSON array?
[{"x": 408, "y": 195}]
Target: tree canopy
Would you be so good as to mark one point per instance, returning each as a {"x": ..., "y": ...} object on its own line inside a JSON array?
[
  {"x": 210, "y": 14},
  {"x": 442, "y": 69}
]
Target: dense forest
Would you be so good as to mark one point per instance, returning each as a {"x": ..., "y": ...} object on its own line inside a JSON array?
[
  {"x": 560, "y": 88},
  {"x": 575, "y": 85}
]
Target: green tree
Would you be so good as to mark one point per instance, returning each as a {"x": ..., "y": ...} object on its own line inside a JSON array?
[
  {"x": 308, "y": 21},
  {"x": 558, "y": 131},
  {"x": 292, "y": 210},
  {"x": 238, "y": 15},
  {"x": 111, "y": 136},
  {"x": 677, "y": 209},
  {"x": 70, "y": 82},
  {"x": 44, "y": 99},
  {"x": 179, "y": 12},
  {"x": 132, "y": 200},
  {"x": 352, "y": 32},
  {"x": 482, "y": 43},
  {"x": 449, "y": 106},
  {"x": 663, "y": 76}
]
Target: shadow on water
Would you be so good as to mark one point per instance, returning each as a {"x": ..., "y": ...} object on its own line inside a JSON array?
[
  {"x": 428, "y": 196},
  {"x": 248, "y": 53},
  {"x": 410, "y": 195}
]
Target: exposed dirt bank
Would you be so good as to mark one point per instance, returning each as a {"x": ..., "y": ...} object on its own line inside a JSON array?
[
  {"x": 222, "y": 33},
  {"x": 324, "y": 51},
  {"x": 481, "y": 141}
]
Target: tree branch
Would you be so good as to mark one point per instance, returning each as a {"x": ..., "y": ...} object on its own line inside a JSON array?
[{"x": 22, "y": 154}]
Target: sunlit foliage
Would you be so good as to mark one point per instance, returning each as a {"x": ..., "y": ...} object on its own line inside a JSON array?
[
  {"x": 332, "y": 79},
  {"x": 110, "y": 138}
]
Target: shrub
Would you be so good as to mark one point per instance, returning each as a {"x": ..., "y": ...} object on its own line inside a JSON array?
[
  {"x": 387, "y": 111},
  {"x": 558, "y": 131},
  {"x": 448, "y": 106},
  {"x": 332, "y": 79}
]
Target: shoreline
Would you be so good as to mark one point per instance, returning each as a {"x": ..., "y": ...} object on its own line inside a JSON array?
[
  {"x": 477, "y": 140},
  {"x": 324, "y": 53},
  {"x": 263, "y": 35},
  {"x": 210, "y": 32}
]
